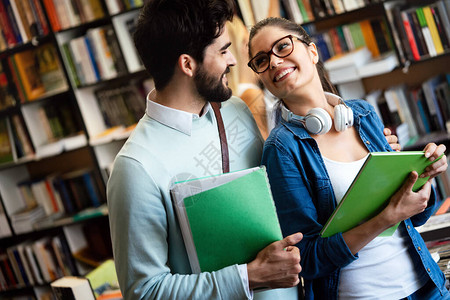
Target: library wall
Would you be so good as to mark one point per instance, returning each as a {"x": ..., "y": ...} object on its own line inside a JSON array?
[{"x": 72, "y": 88}]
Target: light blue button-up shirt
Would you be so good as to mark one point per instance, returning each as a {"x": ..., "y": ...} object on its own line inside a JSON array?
[{"x": 169, "y": 145}]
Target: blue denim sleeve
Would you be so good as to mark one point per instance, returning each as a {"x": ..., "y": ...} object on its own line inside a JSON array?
[{"x": 297, "y": 212}]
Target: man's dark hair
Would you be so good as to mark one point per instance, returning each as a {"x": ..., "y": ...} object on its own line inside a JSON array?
[{"x": 168, "y": 28}]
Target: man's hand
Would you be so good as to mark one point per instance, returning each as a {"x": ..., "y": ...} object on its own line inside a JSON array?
[
  {"x": 392, "y": 139},
  {"x": 277, "y": 265}
]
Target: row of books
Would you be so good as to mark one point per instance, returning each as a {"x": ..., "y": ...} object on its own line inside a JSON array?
[
  {"x": 299, "y": 11},
  {"x": 34, "y": 73},
  {"x": 118, "y": 6},
  {"x": 21, "y": 21},
  {"x": 421, "y": 32},
  {"x": 123, "y": 105},
  {"x": 58, "y": 120},
  {"x": 372, "y": 34},
  {"x": 64, "y": 14},
  {"x": 94, "y": 57},
  {"x": 415, "y": 111},
  {"x": 15, "y": 143},
  {"x": 35, "y": 263},
  {"x": 55, "y": 196},
  {"x": 303, "y": 11}
]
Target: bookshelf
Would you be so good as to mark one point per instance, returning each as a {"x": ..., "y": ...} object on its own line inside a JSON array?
[
  {"x": 64, "y": 127},
  {"x": 64, "y": 80}
]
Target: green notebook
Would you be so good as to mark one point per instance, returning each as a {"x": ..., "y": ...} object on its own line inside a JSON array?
[
  {"x": 382, "y": 174},
  {"x": 226, "y": 219}
]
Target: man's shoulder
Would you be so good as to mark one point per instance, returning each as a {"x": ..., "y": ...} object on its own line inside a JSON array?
[{"x": 235, "y": 102}]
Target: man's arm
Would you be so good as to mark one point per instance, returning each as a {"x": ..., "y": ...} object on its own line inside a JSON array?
[{"x": 144, "y": 239}]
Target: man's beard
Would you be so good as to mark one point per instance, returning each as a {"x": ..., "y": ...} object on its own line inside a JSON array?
[{"x": 210, "y": 88}]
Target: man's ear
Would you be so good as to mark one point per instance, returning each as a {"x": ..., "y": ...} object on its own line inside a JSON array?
[
  {"x": 187, "y": 64},
  {"x": 314, "y": 53}
]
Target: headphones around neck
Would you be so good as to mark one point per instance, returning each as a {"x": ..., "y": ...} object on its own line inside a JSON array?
[{"x": 318, "y": 121}]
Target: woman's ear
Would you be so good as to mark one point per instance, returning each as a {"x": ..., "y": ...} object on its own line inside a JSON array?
[
  {"x": 314, "y": 53},
  {"x": 187, "y": 64}
]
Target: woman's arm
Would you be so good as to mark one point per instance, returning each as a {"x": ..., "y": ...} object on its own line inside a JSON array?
[
  {"x": 298, "y": 211},
  {"x": 403, "y": 205}
]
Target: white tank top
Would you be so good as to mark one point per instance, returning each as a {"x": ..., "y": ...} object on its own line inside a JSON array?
[{"x": 384, "y": 269}]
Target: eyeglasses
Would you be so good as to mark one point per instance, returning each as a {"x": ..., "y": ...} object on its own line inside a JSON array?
[{"x": 281, "y": 48}]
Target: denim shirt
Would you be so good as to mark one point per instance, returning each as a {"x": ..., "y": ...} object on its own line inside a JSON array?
[{"x": 304, "y": 199}]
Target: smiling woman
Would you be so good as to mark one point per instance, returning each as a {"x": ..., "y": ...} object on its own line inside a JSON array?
[{"x": 307, "y": 164}]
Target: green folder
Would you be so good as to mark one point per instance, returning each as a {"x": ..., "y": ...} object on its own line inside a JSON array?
[
  {"x": 226, "y": 219},
  {"x": 382, "y": 174}
]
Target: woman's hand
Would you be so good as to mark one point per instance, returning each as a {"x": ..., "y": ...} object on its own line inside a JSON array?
[
  {"x": 392, "y": 139},
  {"x": 406, "y": 203},
  {"x": 432, "y": 152}
]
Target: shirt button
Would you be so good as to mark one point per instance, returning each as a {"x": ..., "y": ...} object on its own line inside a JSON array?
[
  {"x": 428, "y": 270},
  {"x": 367, "y": 142},
  {"x": 409, "y": 227},
  {"x": 418, "y": 248}
]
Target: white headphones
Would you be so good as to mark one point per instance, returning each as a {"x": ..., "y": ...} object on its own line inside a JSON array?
[{"x": 318, "y": 121}]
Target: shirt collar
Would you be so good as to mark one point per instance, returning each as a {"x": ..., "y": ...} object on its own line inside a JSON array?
[{"x": 174, "y": 118}]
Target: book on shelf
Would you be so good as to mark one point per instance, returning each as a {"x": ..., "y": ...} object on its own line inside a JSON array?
[
  {"x": 385, "y": 63},
  {"x": 23, "y": 221},
  {"x": 21, "y": 252},
  {"x": 39, "y": 17},
  {"x": 344, "y": 67},
  {"x": 124, "y": 26},
  {"x": 114, "y": 7},
  {"x": 5, "y": 229},
  {"x": 431, "y": 99},
  {"x": 28, "y": 73},
  {"x": 19, "y": 272},
  {"x": 426, "y": 32},
  {"x": 293, "y": 11},
  {"x": 397, "y": 35},
  {"x": 13, "y": 22},
  {"x": 381, "y": 175},
  {"x": 19, "y": 17},
  {"x": 50, "y": 69},
  {"x": 369, "y": 37},
  {"x": 246, "y": 10},
  {"x": 439, "y": 10},
  {"x": 71, "y": 287},
  {"x": 7, "y": 92},
  {"x": 226, "y": 219},
  {"x": 102, "y": 53},
  {"x": 396, "y": 98},
  {"x": 433, "y": 29},
  {"x": 5, "y": 22},
  {"x": 6, "y": 150},
  {"x": 103, "y": 278},
  {"x": 356, "y": 57},
  {"x": 7, "y": 270},
  {"x": 22, "y": 134},
  {"x": 265, "y": 8},
  {"x": 79, "y": 189},
  {"x": 52, "y": 15},
  {"x": 417, "y": 32}
]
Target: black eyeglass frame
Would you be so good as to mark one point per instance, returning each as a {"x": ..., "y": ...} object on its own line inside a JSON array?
[{"x": 290, "y": 36}]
